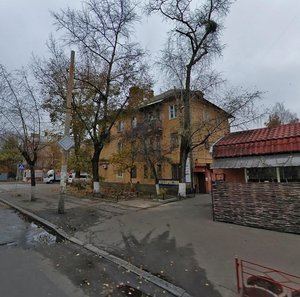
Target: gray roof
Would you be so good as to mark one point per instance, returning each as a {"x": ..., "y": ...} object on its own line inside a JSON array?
[{"x": 276, "y": 160}]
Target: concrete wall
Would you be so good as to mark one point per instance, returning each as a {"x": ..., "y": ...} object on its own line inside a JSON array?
[{"x": 274, "y": 206}]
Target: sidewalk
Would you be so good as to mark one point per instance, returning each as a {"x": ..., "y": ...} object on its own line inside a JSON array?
[{"x": 178, "y": 241}]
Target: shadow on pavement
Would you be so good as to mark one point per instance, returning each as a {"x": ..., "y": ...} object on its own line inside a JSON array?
[{"x": 160, "y": 256}]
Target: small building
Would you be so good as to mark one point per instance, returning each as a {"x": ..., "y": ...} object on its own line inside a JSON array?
[{"x": 256, "y": 176}]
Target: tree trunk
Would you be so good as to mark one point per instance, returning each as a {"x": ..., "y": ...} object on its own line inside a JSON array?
[
  {"x": 33, "y": 183},
  {"x": 95, "y": 168},
  {"x": 185, "y": 144}
]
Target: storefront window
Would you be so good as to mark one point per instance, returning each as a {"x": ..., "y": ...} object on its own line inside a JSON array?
[
  {"x": 262, "y": 174},
  {"x": 290, "y": 174},
  {"x": 286, "y": 174}
]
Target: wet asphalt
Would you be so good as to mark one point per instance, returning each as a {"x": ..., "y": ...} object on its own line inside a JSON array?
[{"x": 36, "y": 263}]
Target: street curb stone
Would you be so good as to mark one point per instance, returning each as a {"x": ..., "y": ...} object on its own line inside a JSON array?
[{"x": 169, "y": 287}]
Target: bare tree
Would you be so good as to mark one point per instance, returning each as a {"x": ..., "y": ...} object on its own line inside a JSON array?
[
  {"x": 20, "y": 114},
  {"x": 111, "y": 63},
  {"x": 280, "y": 115},
  {"x": 193, "y": 38},
  {"x": 192, "y": 44}
]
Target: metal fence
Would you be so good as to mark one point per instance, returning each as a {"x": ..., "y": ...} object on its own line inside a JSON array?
[{"x": 255, "y": 280}]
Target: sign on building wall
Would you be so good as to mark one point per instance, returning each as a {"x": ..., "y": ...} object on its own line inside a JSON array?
[
  {"x": 188, "y": 170},
  {"x": 168, "y": 182}
]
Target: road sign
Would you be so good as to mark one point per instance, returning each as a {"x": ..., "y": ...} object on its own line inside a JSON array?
[
  {"x": 66, "y": 143},
  {"x": 21, "y": 166}
]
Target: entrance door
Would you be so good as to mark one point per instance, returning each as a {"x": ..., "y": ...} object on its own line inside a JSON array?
[{"x": 201, "y": 184}]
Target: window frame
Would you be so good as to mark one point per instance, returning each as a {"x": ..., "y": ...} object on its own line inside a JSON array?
[{"x": 172, "y": 111}]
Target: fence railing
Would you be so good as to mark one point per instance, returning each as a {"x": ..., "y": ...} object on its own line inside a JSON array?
[{"x": 255, "y": 280}]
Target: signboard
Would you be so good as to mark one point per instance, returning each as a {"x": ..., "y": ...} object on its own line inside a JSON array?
[
  {"x": 21, "y": 167},
  {"x": 168, "y": 182},
  {"x": 66, "y": 143},
  {"x": 188, "y": 171}
]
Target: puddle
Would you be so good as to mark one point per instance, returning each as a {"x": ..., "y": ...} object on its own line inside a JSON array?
[
  {"x": 36, "y": 235},
  {"x": 17, "y": 230}
]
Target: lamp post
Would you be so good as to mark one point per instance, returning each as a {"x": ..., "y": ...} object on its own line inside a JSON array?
[{"x": 66, "y": 143}]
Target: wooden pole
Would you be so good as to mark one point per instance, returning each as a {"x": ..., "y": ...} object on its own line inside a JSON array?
[{"x": 64, "y": 166}]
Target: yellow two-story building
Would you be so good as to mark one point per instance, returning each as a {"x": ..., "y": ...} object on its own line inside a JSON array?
[{"x": 144, "y": 143}]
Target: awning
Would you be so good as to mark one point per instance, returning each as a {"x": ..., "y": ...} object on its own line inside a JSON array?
[{"x": 282, "y": 160}]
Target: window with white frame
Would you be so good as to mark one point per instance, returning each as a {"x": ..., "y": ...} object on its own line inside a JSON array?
[
  {"x": 120, "y": 147},
  {"x": 119, "y": 173},
  {"x": 174, "y": 140},
  {"x": 134, "y": 122},
  {"x": 120, "y": 126},
  {"x": 172, "y": 111}
]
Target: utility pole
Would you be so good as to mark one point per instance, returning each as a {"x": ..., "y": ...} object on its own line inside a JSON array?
[{"x": 65, "y": 153}]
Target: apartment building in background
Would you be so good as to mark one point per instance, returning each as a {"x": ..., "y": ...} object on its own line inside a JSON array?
[{"x": 152, "y": 130}]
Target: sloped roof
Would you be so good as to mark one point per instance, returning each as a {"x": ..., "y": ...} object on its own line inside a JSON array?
[
  {"x": 281, "y": 139},
  {"x": 173, "y": 93}
]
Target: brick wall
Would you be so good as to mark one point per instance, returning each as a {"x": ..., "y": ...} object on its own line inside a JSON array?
[{"x": 273, "y": 206}]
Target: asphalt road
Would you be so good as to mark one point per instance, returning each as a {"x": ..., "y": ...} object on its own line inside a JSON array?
[
  {"x": 24, "y": 271},
  {"x": 35, "y": 263},
  {"x": 7, "y": 187}
]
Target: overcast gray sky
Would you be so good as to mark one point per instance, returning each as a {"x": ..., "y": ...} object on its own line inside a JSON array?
[{"x": 262, "y": 40}]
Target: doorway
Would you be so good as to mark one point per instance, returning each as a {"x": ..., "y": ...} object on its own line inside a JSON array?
[{"x": 200, "y": 183}]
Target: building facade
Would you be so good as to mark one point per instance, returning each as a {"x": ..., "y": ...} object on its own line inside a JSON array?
[
  {"x": 144, "y": 143},
  {"x": 257, "y": 178}
]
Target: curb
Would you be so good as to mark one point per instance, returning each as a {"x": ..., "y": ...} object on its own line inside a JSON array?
[{"x": 169, "y": 287}]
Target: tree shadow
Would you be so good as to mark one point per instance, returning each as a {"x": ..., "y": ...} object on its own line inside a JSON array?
[{"x": 160, "y": 256}]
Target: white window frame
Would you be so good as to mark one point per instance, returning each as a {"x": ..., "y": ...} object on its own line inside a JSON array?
[
  {"x": 120, "y": 126},
  {"x": 120, "y": 173},
  {"x": 172, "y": 111},
  {"x": 134, "y": 122}
]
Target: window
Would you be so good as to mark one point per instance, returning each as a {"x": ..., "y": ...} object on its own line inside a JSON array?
[
  {"x": 119, "y": 173},
  {"x": 152, "y": 115},
  {"x": 146, "y": 171},
  {"x": 120, "y": 147},
  {"x": 159, "y": 170},
  {"x": 262, "y": 174},
  {"x": 273, "y": 174},
  {"x": 175, "y": 171},
  {"x": 120, "y": 126},
  {"x": 151, "y": 173},
  {"x": 205, "y": 115},
  {"x": 289, "y": 174},
  {"x": 174, "y": 140},
  {"x": 133, "y": 172},
  {"x": 172, "y": 111},
  {"x": 134, "y": 122}
]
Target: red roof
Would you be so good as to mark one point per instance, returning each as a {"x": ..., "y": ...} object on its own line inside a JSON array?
[{"x": 281, "y": 139}]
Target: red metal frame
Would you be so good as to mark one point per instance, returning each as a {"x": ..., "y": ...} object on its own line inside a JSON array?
[{"x": 264, "y": 281}]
